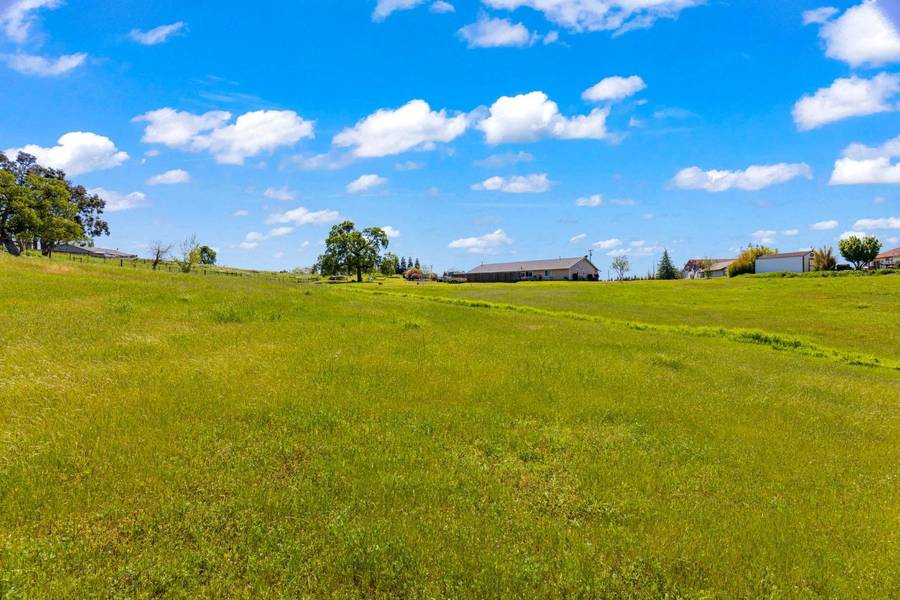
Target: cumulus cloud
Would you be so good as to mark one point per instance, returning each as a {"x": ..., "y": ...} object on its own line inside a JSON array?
[
  {"x": 413, "y": 126},
  {"x": 241, "y": 213},
  {"x": 391, "y": 232},
  {"x": 764, "y": 236},
  {"x": 614, "y": 88},
  {"x": 250, "y": 135},
  {"x": 39, "y": 66},
  {"x": 19, "y": 15},
  {"x": 790, "y": 232},
  {"x": 408, "y": 165},
  {"x": 601, "y": 15},
  {"x": 303, "y": 216},
  {"x": 76, "y": 153},
  {"x": 884, "y": 223},
  {"x": 117, "y": 201},
  {"x": 861, "y": 164},
  {"x": 593, "y": 200},
  {"x": 170, "y": 177},
  {"x": 517, "y": 184},
  {"x": 503, "y": 160},
  {"x": 754, "y": 177},
  {"x": 577, "y": 238},
  {"x": 819, "y": 15},
  {"x": 157, "y": 35},
  {"x": 825, "y": 225},
  {"x": 850, "y": 234},
  {"x": 283, "y": 194},
  {"x": 532, "y": 116},
  {"x": 442, "y": 7},
  {"x": 863, "y": 35},
  {"x": 607, "y": 244},
  {"x": 489, "y": 32},
  {"x": 485, "y": 244},
  {"x": 365, "y": 182},
  {"x": 385, "y": 8},
  {"x": 849, "y": 97}
]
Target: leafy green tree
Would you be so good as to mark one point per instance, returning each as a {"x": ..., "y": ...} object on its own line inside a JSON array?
[
  {"x": 746, "y": 260},
  {"x": 666, "y": 269},
  {"x": 348, "y": 250},
  {"x": 190, "y": 254},
  {"x": 37, "y": 210},
  {"x": 417, "y": 265},
  {"x": 823, "y": 259},
  {"x": 860, "y": 251},
  {"x": 207, "y": 255},
  {"x": 390, "y": 264},
  {"x": 55, "y": 211},
  {"x": 402, "y": 267},
  {"x": 621, "y": 265}
]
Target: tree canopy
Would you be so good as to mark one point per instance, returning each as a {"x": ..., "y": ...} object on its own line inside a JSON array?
[
  {"x": 746, "y": 261},
  {"x": 40, "y": 206},
  {"x": 207, "y": 255},
  {"x": 860, "y": 251},
  {"x": 348, "y": 250}
]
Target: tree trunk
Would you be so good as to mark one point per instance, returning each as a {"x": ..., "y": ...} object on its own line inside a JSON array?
[
  {"x": 358, "y": 274},
  {"x": 11, "y": 247}
]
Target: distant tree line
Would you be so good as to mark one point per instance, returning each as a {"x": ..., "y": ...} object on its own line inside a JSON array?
[{"x": 40, "y": 208}]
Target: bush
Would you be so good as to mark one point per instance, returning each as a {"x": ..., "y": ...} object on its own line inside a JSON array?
[{"x": 746, "y": 261}]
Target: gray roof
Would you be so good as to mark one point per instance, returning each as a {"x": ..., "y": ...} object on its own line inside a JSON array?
[
  {"x": 785, "y": 255},
  {"x": 550, "y": 264},
  {"x": 722, "y": 264},
  {"x": 92, "y": 251}
]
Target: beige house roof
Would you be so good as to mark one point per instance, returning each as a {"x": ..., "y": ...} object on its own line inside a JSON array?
[{"x": 889, "y": 254}]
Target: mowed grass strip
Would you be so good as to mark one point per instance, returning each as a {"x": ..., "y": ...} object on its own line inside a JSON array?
[
  {"x": 746, "y": 336},
  {"x": 852, "y": 314},
  {"x": 179, "y": 435}
]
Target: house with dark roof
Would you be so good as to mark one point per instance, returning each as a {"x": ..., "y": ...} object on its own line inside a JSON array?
[
  {"x": 579, "y": 268},
  {"x": 92, "y": 251},
  {"x": 787, "y": 262},
  {"x": 889, "y": 259},
  {"x": 698, "y": 268}
]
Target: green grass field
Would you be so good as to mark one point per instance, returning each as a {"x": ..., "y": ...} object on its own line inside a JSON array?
[{"x": 189, "y": 435}]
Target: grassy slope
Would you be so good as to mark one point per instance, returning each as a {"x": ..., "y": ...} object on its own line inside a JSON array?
[
  {"x": 850, "y": 313},
  {"x": 186, "y": 435}
]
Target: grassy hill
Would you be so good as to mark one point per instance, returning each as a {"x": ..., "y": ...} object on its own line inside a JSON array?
[{"x": 169, "y": 434}]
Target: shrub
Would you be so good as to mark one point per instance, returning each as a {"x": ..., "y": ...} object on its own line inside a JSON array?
[
  {"x": 860, "y": 251},
  {"x": 746, "y": 261},
  {"x": 823, "y": 259}
]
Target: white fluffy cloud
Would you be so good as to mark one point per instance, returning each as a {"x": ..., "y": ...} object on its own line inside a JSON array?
[
  {"x": 39, "y": 66},
  {"x": 790, "y": 232},
  {"x": 384, "y": 8},
  {"x": 517, "y": 184},
  {"x": 489, "y": 32},
  {"x": 117, "y": 201},
  {"x": 365, "y": 182},
  {"x": 532, "y": 116},
  {"x": 157, "y": 35},
  {"x": 413, "y": 126},
  {"x": 861, "y": 164},
  {"x": 825, "y": 225},
  {"x": 601, "y": 15},
  {"x": 884, "y": 223},
  {"x": 577, "y": 238},
  {"x": 485, "y": 244},
  {"x": 848, "y": 97},
  {"x": 283, "y": 194},
  {"x": 863, "y": 35},
  {"x": 607, "y": 244},
  {"x": 251, "y": 134},
  {"x": 614, "y": 88},
  {"x": 170, "y": 177},
  {"x": 442, "y": 7},
  {"x": 76, "y": 153},
  {"x": 850, "y": 234},
  {"x": 18, "y": 16},
  {"x": 303, "y": 216},
  {"x": 391, "y": 232},
  {"x": 592, "y": 200},
  {"x": 764, "y": 236},
  {"x": 502, "y": 160},
  {"x": 754, "y": 177}
]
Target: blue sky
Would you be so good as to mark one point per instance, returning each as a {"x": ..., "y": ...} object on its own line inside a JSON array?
[{"x": 478, "y": 131}]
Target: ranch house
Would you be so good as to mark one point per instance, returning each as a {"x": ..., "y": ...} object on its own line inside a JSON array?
[{"x": 556, "y": 269}]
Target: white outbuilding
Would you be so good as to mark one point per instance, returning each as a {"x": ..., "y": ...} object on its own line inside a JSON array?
[{"x": 788, "y": 262}]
